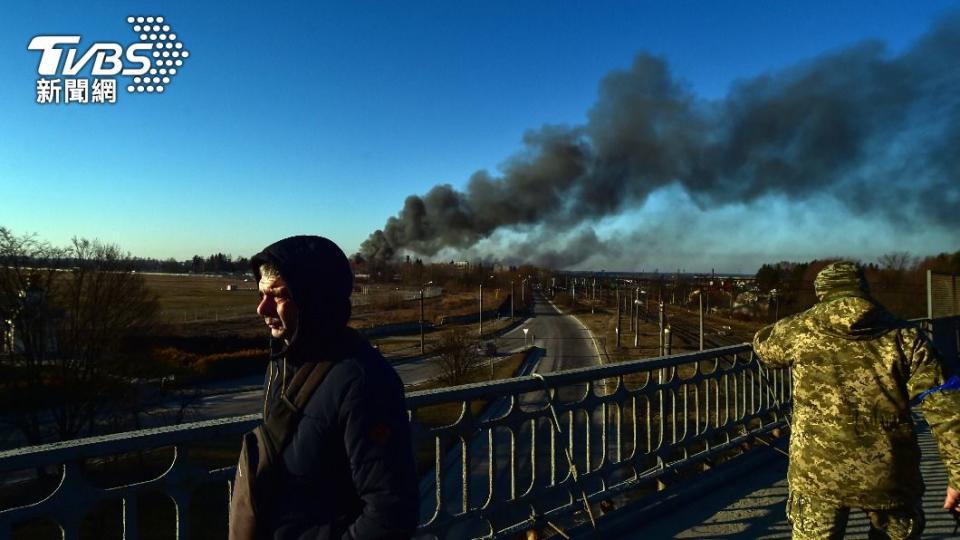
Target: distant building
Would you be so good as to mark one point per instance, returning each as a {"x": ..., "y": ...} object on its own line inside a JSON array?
[{"x": 462, "y": 265}]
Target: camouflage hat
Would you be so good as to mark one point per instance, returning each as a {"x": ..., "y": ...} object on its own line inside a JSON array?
[{"x": 841, "y": 279}]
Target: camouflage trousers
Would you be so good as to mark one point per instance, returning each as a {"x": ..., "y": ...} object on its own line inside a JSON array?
[{"x": 813, "y": 519}]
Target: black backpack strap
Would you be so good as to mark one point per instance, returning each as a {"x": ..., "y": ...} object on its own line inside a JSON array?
[
  {"x": 303, "y": 389},
  {"x": 282, "y": 419}
]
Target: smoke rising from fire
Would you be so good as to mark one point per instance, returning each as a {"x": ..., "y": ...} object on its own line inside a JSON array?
[{"x": 878, "y": 133}]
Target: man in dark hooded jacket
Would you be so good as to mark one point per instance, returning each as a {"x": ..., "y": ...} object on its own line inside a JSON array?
[
  {"x": 348, "y": 470},
  {"x": 856, "y": 371}
]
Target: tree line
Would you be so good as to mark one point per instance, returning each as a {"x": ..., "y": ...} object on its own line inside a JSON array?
[
  {"x": 897, "y": 279},
  {"x": 71, "y": 319}
]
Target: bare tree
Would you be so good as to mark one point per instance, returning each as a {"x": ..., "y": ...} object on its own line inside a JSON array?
[
  {"x": 27, "y": 268},
  {"x": 458, "y": 356},
  {"x": 71, "y": 315},
  {"x": 898, "y": 261}
]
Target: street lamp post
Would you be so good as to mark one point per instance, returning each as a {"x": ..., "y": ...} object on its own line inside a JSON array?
[
  {"x": 593, "y": 296},
  {"x": 661, "y": 328},
  {"x": 618, "y": 316},
  {"x": 481, "y": 309},
  {"x": 700, "y": 297},
  {"x": 776, "y": 299},
  {"x": 513, "y": 293},
  {"x": 421, "y": 321},
  {"x": 636, "y": 334},
  {"x": 668, "y": 340},
  {"x": 525, "y": 330}
]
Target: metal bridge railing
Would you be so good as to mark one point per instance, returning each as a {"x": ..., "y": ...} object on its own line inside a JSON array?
[
  {"x": 493, "y": 461},
  {"x": 502, "y": 468}
]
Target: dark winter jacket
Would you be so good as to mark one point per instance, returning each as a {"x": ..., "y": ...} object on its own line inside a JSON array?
[{"x": 349, "y": 469}]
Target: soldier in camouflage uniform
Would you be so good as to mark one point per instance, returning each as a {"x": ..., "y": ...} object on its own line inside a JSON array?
[{"x": 856, "y": 369}]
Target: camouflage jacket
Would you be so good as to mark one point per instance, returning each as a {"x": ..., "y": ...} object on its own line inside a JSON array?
[{"x": 855, "y": 370}]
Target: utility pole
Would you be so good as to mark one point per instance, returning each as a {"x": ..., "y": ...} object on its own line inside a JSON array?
[
  {"x": 593, "y": 296},
  {"x": 668, "y": 338},
  {"x": 636, "y": 309},
  {"x": 618, "y": 316},
  {"x": 701, "y": 318},
  {"x": 513, "y": 293},
  {"x": 481, "y": 309},
  {"x": 421, "y": 321},
  {"x": 661, "y": 329}
]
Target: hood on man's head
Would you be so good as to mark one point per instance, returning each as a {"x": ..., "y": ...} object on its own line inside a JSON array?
[
  {"x": 315, "y": 269},
  {"x": 841, "y": 279},
  {"x": 319, "y": 281}
]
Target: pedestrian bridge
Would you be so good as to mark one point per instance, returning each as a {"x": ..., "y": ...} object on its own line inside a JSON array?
[{"x": 560, "y": 453}]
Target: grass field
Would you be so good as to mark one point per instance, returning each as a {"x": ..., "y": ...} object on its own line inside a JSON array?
[
  {"x": 185, "y": 298},
  {"x": 194, "y": 298}
]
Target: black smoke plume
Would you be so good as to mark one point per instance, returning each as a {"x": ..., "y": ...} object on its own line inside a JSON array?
[{"x": 880, "y": 133}]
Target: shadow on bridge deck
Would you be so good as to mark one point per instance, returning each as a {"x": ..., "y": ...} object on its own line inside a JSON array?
[{"x": 746, "y": 501}]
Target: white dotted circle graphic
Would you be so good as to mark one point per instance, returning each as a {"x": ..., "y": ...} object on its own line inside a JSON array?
[{"x": 166, "y": 51}]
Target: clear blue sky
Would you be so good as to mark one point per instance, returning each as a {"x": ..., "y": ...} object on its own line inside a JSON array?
[{"x": 320, "y": 118}]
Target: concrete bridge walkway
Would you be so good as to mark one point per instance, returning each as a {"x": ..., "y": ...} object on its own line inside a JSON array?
[{"x": 746, "y": 501}]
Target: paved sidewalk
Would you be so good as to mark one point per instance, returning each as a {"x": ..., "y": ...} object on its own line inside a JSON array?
[{"x": 750, "y": 506}]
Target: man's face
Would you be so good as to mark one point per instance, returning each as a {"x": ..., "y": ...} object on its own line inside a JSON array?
[{"x": 276, "y": 307}]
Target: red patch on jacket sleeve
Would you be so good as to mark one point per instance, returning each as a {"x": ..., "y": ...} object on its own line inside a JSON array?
[{"x": 380, "y": 434}]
